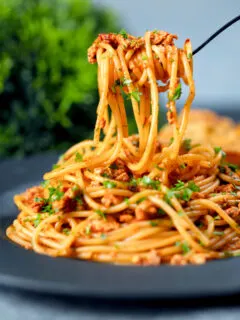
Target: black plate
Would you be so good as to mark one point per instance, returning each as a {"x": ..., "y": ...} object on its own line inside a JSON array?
[{"x": 26, "y": 270}]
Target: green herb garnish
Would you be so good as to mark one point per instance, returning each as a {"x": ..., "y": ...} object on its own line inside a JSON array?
[
  {"x": 109, "y": 184},
  {"x": 144, "y": 57},
  {"x": 219, "y": 149},
  {"x": 101, "y": 214},
  {"x": 126, "y": 200},
  {"x": 66, "y": 231},
  {"x": 148, "y": 182},
  {"x": 187, "y": 144},
  {"x": 78, "y": 157},
  {"x": 135, "y": 94},
  {"x": 45, "y": 183},
  {"x": 218, "y": 233},
  {"x": 123, "y": 33},
  {"x": 184, "y": 246},
  {"x": 153, "y": 223},
  {"x": 55, "y": 166},
  {"x": 189, "y": 56},
  {"x": 141, "y": 200},
  {"x": 37, "y": 220},
  {"x": 88, "y": 230},
  {"x": 177, "y": 93}
]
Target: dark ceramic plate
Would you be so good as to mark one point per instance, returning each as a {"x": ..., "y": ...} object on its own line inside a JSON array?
[{"x": 26, "y": 270}]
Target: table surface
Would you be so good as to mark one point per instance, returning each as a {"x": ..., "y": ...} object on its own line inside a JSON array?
[{"x": 16, "y": 305}]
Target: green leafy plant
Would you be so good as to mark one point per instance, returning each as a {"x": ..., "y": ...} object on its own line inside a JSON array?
[{"x": 48, "y": 90}]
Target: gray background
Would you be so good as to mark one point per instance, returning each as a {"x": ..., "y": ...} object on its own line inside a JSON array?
[{"x": 217, "y": 66}]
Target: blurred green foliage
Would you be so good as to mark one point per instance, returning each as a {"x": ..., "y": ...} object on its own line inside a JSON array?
[{"x": 48, "y": 94}]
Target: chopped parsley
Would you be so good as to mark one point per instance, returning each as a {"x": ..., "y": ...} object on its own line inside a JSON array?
[
  {"x": 126, "y": 200},
  {"x": 177, "y": 93},
  {"x": 55, "y": 194},
  {"x": 233, "y": 166},
  {"x": 109, "y": 184},
  {"x": 171, "y": 140},
  {"x": 141, "y": 200},
  {"x": 184, "y": 246},
  {"x": 45, "y": 183},
  {"x": 101, "y": 214},
  {"x": 182, "y": 166},
  {"x": 135, "y": 94},
  {"x": 75, "y": 188},
  {"x": 219, "y": 149},
  {"x": 233, "y": 193},
  {"x": 217, "y": 218},
  {"x": 88, "y": 230},
  {"x": 153, "y": 223},
  {"x": 187, "y": 144},
  {"x": 161, "y": 212},
  {"x": 103, "y": 236},
  {"x": 55, "y": 166},
  {"x": 123, "y": 33},
  {"x": 126, "y": 82},
  {"x": 78, "y": 157},
  {"x": 218, "y": 233},
  {"x": 66, "y": 231},
  {"x": 189, "y": 56},
  {"x": 79, "y": 200},
  {"x": 37, "y": 220},
  {"x": 105, "y": 175},
  {"x": 48, "y": 209},
  {"x": 159, "y": 168},
  {"x": 148, "y": 182},
  {"x": 37, "y": 199},
  {"x": 144, "y": 57},
  {"x": 180, "y": 191}
]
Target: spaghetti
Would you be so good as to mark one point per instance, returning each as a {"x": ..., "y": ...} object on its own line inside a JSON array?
[{"x": 128, "y": 199}]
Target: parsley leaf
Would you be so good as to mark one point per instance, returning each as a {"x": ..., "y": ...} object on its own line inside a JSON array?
[
  {"x": 187, "y": 144},
  {"x": 159, "y": 168},
  {"x": 144, "y": 57},
  {"x": 218, "y": 233},
  {"x": 123, "y": 33},
  {"x": 88, "y": 230},
  {"x": 171, "y": 140},
  {"x": 45, "y": 183},
  {"x": 48, "y": 209},
  {"x": 219, "y": 149},
  {"x": 135, "y": 94},
  {"x": 101, "y": 214},
  {"x": 233, "y": 166},
  {"x": 147, "y": 181},
  {"x": 141, "y": 200},
  {"x": 189, "y": 56},
  {"x": 177, "y": 93},
  {"x": 161, "y": 212},
  {"x": 184, "y": 246},
  {"x": 126, "y": 200},
  {"x": 37, "y": 220},
  {"x": 55, "y": 166},
  {"x": 109, "y": 184},
  {"x": 125, "y": 82},
  {"x": 78, "y": 157},
  {"x": 66, "y": 231},
  {"x": 153, "y": 223}
]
